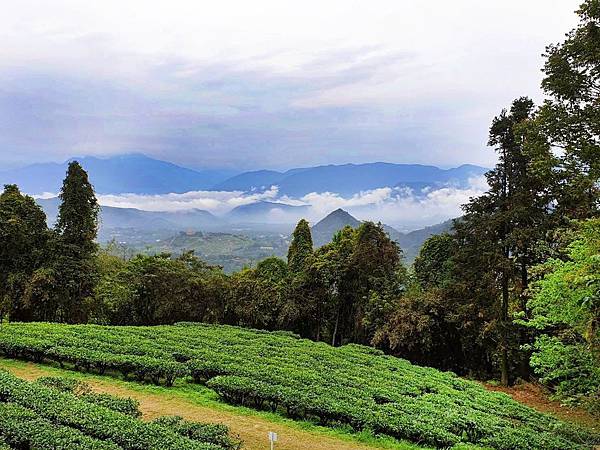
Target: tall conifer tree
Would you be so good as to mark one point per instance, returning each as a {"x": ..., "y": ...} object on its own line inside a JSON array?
[
  {"x": 77, "y": 226},
  {"x": 301, "y": 247}
]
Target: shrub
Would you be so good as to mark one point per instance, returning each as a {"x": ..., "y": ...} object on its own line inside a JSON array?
[{"x": 351, "y": 385}]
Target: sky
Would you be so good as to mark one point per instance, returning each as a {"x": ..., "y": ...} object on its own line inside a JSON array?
[{"x": 267, "y": 84}]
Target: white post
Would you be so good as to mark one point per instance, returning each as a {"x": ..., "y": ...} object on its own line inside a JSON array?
[{"x": 272, "y": 439}]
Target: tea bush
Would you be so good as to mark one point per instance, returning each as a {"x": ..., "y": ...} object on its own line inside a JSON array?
[
  {"x": 351, "y": 385},
  {"x": 35, "y": 416}
]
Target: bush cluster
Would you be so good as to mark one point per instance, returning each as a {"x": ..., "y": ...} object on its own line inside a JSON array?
[
  {"x": 352, "y": 385},
  {"x": 37, "y": 416}
]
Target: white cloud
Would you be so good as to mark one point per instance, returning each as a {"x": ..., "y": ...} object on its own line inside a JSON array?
[
  {"x": 214, "y": 201},
  {"x": 400, "y": 207},
  {"x": 276, "y": 83}
]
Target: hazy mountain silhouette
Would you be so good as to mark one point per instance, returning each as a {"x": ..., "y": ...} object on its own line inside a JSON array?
[
  {"x": 323, "y": 230},
  {"x": 348, "y": 179},
  {"x": 133, "y": 173},
  {"x": 112, "y": 217},
  {"x": 139, "y": 174}
]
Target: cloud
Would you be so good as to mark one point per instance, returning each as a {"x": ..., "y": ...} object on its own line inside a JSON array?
[
  {"x": 403, "y": 208},
  {"x": 218, "y": 202},
  {"x": 274, "y": 84}
]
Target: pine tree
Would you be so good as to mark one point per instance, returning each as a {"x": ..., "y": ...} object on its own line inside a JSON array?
[{"x": 301, "y": 247}]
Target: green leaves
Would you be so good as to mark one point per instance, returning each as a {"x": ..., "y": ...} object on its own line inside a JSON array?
[
  {"x": 301, "y": 247},
  {"x": 353, "y": 385},
  {"x": 35, "y": 416},
  {"x": 565, "y": 308}
]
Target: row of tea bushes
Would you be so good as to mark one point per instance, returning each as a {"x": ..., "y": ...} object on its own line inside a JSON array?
[
  {"x": 353, "y": 385},
  {"x": 35, "y": 416}
]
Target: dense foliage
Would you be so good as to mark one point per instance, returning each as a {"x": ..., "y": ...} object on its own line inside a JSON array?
[
  {"x": 352, "y": 384},
  {"x": 565, "y": 307},
  {"x": 471, "y": 285},
  {"x": 46, "y": 415},
  {"x": 49, "y": 274}
]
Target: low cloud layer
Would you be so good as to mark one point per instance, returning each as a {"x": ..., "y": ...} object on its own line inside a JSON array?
[
  {"x": 217, "y": 202},
  {"x": 401, "y": 207}
]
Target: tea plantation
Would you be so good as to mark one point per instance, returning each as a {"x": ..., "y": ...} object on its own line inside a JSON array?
[
  {"x": 50, "y": 414},
  {"x": 352, "y": 385}
]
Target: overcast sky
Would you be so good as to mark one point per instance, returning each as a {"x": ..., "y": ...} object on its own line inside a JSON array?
[{"x": 267, "y": 84}]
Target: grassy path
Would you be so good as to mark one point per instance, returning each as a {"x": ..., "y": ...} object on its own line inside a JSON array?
[{"x": 195, "y": 402}]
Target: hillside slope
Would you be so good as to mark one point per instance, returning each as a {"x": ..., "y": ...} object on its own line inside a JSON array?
[
  {"x": 197, "y": 403},
  {"x": 324, "y": 229},
  {"x": 354, "y": 385},
  {"x": 410, "y": 242}
]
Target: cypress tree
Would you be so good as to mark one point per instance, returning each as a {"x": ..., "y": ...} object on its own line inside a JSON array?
[
  {"x": 78, "y": 213},
  {"x": 301, "y": 247},
  {"x": 76, "y": 227}
]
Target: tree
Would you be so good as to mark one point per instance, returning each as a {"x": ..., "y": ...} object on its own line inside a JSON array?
[
  {"x": 352, "y": 281},
  {"x": 158, "y": 289},
  {"x": 499, "y": 232},
  {"x": 432, "y": 265},
  {"x": 301, "y": 247},
  {"x": 332, "y": 267},
  {"x": 77, "y": 226},
  {"x": 24, "y": 239},
  {"x": 571, "y": 115},
  {"x": 419, "y": 328},
  {"x": 257, "y": 295},
  {"x": 565, "y": 308},
  {"x": 379, "y": 277},
  {"x": 78, "y": 212}
]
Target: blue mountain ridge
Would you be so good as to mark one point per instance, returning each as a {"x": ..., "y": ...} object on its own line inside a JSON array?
[
  {"x": 140, "y": 174},
  {"x": 131, "y": 173}
]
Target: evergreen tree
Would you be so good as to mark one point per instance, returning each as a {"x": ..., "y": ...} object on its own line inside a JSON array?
[
  {"x": 78, "y": 213},
  {"x": 571, "y": 116},
  {"x": 301, "y": 247},
  {"x": 498, "y": 235},
  {"x": 76, "y": 248}
]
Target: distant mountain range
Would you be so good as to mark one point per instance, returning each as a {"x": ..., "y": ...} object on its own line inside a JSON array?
[
  {"x": 136, "y": 223},
  {"x": 140, "y": 174},
  {"x": 135, "y": 173},
  {"x": 349, "y": 179},
  {"x": 410, "y": 243}
]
